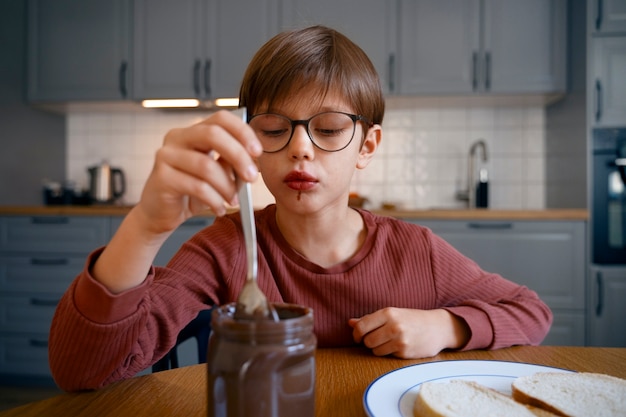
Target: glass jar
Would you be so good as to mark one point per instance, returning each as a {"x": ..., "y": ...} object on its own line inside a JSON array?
[{"x": 262, "y": 368}]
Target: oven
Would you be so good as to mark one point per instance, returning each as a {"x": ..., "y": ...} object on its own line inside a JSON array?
[{"x": 608, "y": 212}]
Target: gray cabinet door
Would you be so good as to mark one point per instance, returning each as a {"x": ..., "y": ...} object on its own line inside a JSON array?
[
  {"x": 482, "y": 46},
  {"x": 524, "y": 46},
  {"x": 197, "y": 48},
  {"x": 168, "y": 49},
  {"x": 236, "y": 29},
  {"x": 78, "y": 50},
  {"x": 368, "y": 23},
  {"x": 439, "y": 46},
  {"x": 607, "y": 310},
  {"x": 607, "y": 86}
]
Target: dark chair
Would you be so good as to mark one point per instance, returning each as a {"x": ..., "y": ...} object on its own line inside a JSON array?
[{"x": 200, "y": 328}]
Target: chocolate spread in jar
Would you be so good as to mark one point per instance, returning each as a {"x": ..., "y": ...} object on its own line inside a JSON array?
[{"x": 262, "y": 368}]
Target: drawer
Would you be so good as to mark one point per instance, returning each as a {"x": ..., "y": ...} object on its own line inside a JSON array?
[
  {"x": 24, "y": 355},
  {"x": 40, "y": 273},
  {"x": 27, "y": 314},
  {"x": 53, "y": 233}
]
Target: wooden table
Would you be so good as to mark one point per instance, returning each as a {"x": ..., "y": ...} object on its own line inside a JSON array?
[{"x": 342, "y": 377}]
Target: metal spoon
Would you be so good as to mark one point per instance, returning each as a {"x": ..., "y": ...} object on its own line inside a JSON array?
[{"x": 251, "y": 303}]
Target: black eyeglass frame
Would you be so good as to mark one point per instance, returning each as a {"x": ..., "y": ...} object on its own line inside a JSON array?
[{"x": 355, "y": 118}]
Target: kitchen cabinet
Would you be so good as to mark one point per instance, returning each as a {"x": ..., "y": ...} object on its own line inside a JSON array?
[
  {"x": 607, "y": 292},
  {"x": 607, "y": 16},
  {"x": 482, "y": 46},
  {"x": 197, "y": 48},
  {"x": 39, "y": 258},
  {"x": 176, "y": 239},
  {"x": 371, "y": 24},
  {"x": 607, "y": 83},
  {"x": 549, "y": 257},
  {"x": 78, "y": 50}
]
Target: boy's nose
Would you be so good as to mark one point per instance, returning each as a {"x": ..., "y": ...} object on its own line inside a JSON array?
[{"x": 301, "y": 145}]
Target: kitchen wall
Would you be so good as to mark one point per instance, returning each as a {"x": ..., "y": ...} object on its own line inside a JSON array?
[{"x": 422, "y": 160}]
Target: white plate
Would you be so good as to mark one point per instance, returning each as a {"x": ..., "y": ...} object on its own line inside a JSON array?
[{"x": 393, "y": 394}]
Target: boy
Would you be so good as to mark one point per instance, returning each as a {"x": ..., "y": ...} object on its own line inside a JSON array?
[{"x": 315, "y": 110}]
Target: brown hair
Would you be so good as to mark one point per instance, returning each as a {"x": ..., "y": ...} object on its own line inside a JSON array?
[{"x": 315, "y": 56}]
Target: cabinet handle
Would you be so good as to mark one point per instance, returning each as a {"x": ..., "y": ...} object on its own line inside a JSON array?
[
  {"x": 196, "y": 77},
  {"x": 490, "y": 226},
  {"x": 122, "y": 80},
  {"x": 392, "y": 69},
  {"x": 38, "y": 343},
  {"x": 599, "y": 15},
  {"x": 600, "y": 284},
  {"x": 49, "y": 262},
  {"x": 207, "y": 77},
  {"x": 49, "y": 220},
  {"x": 474, "y": 70},
  {"x": 487, "y": 71},
  {"x": 598, "y": 100},
  {"x": 39, "y": 302}
]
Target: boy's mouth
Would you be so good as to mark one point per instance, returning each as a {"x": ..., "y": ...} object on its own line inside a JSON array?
[{"x": 300, "y": 181}]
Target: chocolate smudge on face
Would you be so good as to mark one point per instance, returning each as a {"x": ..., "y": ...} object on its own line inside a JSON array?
[{"x": 299, "y": 195}]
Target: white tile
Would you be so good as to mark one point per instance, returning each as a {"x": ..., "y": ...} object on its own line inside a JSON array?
[
  {"x": 398, "y": 142},
  {"x": 481, "y": 117},
  {"x": 374, "y": 173},
  {"x": 511, "y": 117},
  {"x": 399, "y": 119},
  {"x": 455, "y": 117},
  {"x": 534, "y": 116},
  {"x": 424, "y": 118},
  {"x": 534, "y": 141},
  {"x": 534, "y": 197},
  {"x": 99, "y": 122},
  {"x": 534, "y": 168},
  {"x": 399, "y": 170},
  {"x": 505, "y": 196},
  {"x": 424, "y": 141},
  {"x": 123, "y": 122},
  {"x": 507, "y": 141},
  {"x": 450, "y": 142},
  {"x": 421, "y": 162},
  {"x": 506, "y": 169}
]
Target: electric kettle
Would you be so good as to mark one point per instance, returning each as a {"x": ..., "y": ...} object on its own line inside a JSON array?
[{"x": 106, "y": 184}]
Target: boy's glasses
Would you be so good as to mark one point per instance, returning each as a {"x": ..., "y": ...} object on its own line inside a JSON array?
[{"x": 329, "y": 131}]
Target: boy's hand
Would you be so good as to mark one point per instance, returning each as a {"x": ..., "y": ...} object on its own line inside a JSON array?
[
  {"x": 409, "y": 333},
  {"x": 188, "y": 177}
]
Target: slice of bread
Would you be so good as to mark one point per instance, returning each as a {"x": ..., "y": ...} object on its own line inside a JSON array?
[
  {"x": 460, "y": 398},
  {"x": 573, "y": 394}
]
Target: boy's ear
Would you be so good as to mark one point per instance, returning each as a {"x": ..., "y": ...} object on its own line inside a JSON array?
[{"x": 369, "y": 146}]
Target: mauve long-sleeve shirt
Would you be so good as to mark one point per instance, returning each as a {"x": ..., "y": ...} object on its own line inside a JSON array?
[{"x": 97, "y": 337}]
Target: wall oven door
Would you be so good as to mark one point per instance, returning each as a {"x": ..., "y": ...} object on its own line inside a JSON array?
[{"x": 609, "y": 196}]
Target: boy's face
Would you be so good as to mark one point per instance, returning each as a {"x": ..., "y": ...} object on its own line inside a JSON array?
[{"x": 304, "y": 178}]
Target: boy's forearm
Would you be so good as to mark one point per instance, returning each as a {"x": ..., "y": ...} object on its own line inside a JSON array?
[{"x": 127, "y": 258}]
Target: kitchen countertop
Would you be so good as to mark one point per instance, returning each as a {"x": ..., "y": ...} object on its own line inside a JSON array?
[{"x": 431, "y": 214}]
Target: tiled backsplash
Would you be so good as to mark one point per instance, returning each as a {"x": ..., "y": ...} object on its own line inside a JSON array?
[{"x": 422, "y": 160}]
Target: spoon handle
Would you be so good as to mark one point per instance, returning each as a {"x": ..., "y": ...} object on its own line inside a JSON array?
[
  {"x": 246, "y": 212},
  {"x": 249, "y": 228}
]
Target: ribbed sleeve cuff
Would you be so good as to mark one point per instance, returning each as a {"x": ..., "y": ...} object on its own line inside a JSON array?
[
  {"x": 481, "y": 330},
  {"x": 98, "y": 304}
]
